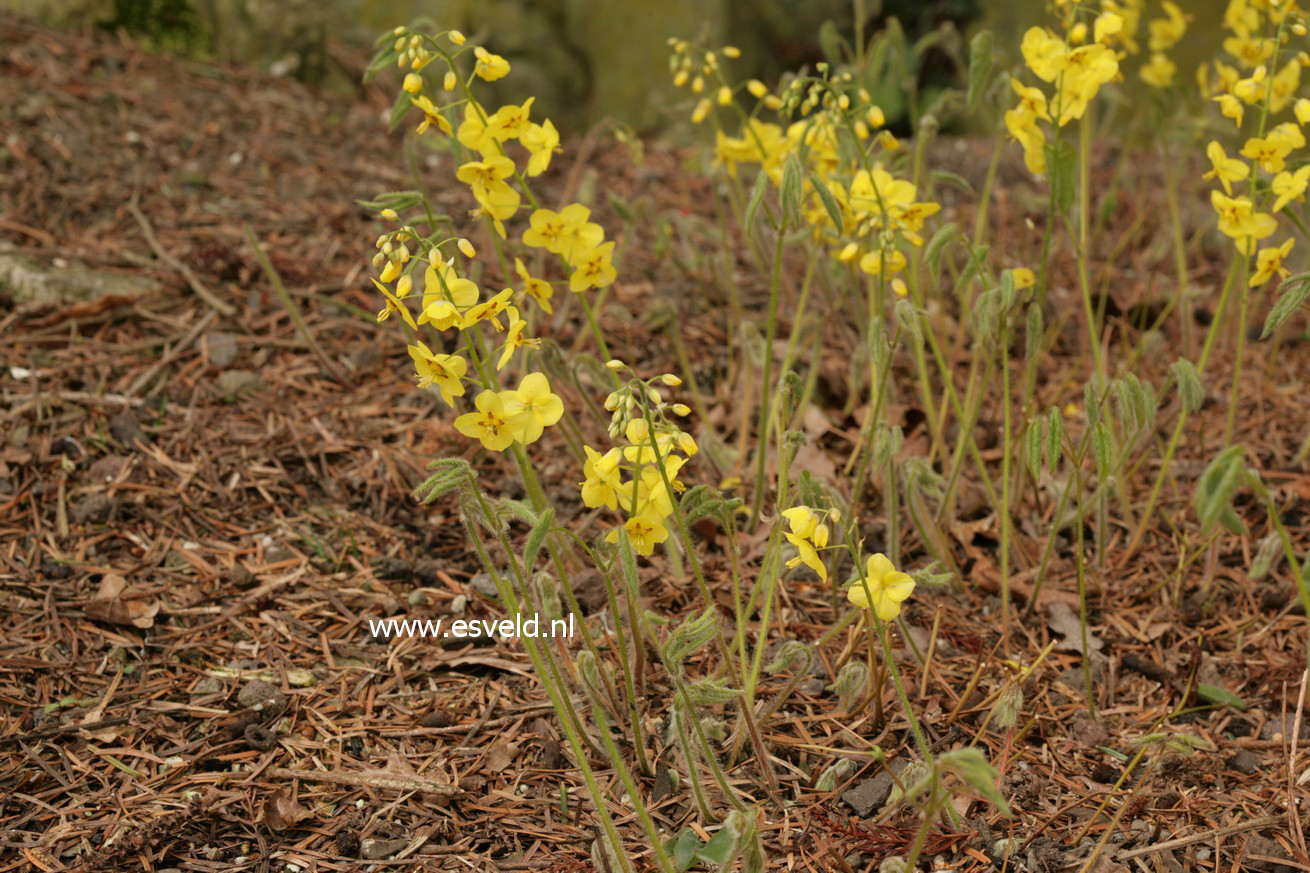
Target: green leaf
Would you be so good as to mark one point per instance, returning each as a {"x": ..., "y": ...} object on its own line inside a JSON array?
[
  {"x": 932, "y": 252},
  {"x": 1216, "y": 487},
  {"x": 1060, "y": 166},
  {"x": 718, "y": 851},
  {"x": 536, "y": 537},
  {"x": 980, "y": 67},
  {"x": 1054, "y": 438},
  {"x": 1032, "y": 448},
  {"x": 829, "y": 202},
  {"x": 1190, "y": 390},
  {"x": 1101, "y": 449},
  {"x": 398, "y": 110},
  {"x": 683, "y": 848},
  {"x": 1293, "y": 293},
  {"x": 757, "y": 197},
  {"x": 792, "y": 193},
  {"x": 1219, "y": 696}
]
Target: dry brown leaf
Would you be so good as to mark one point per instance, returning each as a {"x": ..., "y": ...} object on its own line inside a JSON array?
[
  {"x": 109, "y": 608},
  {"x": 1064, "y": 621},
  {"x": 501, "y": 756},
  {"x": 282, "y": 811}
]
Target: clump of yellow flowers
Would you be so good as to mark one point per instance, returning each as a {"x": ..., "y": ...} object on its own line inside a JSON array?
[
  {"x": 1266, "y": 184},
  {"x": 1075, "y": 68},
  {"x": 499, "y": 151},
  {"x": 856, "y": 206},
  {"x": 639, "y": 478}
]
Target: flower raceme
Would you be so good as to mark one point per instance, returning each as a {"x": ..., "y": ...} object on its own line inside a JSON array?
[
  {"x": 808, "y": 533},
  {"x": 498, "y": 151}
]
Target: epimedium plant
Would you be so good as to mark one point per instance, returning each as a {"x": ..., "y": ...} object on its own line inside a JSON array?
[{"x": 811, "y": 176}]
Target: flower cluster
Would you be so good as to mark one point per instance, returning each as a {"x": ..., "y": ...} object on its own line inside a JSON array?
[
  {"x": 508, "y": 146},
  {"x": 1076, "y": 68},
  {"x": 864, "y": 213},
  {"x": 1164, "y": 34},
  {"x": 808, "y": 532},
  {"x": 1263, "y": 174},
  {"x": 640, "y": 477}
]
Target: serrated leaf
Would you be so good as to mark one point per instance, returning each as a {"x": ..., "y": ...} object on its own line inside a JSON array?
[
  {"x": 980, "y": 67},
  {"x": 1292, "y": 294}
]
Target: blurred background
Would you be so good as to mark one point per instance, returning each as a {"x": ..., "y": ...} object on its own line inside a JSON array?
[{"x": 588, "y": 60}]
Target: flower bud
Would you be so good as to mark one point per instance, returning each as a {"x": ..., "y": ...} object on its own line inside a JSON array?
[
  {"x": 456, "y": 37},
  {"x": 389, "y": 215},
  {"x": 466, "y": 248},
  {"x": 680, "y": 409},
  {"x": 671, "y": 380},
  {"x": 725, "y": 96},
  {"x": 413, "y": 83},
  {"x": 731, "y": 51},
  {"x": 615, "y": 364},
  {"x": 757, "y": 88}
]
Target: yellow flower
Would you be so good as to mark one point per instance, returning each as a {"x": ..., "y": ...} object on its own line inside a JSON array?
[
  {"x": 1269, "y": 263},
  {"x": 593, "y": 268},
  {"x": 559, "y": 232},
  {"x": 1044, "y": 53},
  {"x": 887, "y": 586},
  {"x": 802, "y": 520},
  {"x": 1302, "y": 110},
  {"x": 444, "y": 371},
  {"x": 509, "y": 122},
  {"x": 515, "y": 338},
  {"x": 473, "y": 133},
  {"x": 1107, "y": 25},
  {"x": 1289, "y": 186},
  {"x": 1158, "y": 72},
  {"x": 541, "y": 141},
  {"x": 1239, "y": 221},
  {"x": 1268, "y": 152},
  {"x": 1032, "y": 101},
  {"x": 492, "y": 424},
  {"x": 446, "y": 296},
  {"x": 490, "y": 310},
  {"x": 536, "y": 406},
  {"x": 490, "y": 67},
  {"x": 1227, "y": 170},
  {"x": 393, "y": 305},
  {"x": 538, "y": 289},
  {"x": 1023, "y": 278},
  {"x": 644, "y": 533},
  {"x": 878, "y": 263},
  {"x": 431, "y": 115},
  {"x": 1230, "y": 107},
  {"x": 487, "y": 180},
  {"x": 602, "y": 484},
  {"x": 1165, "y": 32},
  {"x": 807, "y": 555}
]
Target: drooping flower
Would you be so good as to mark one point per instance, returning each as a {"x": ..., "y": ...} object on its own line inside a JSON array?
[
  {"x": 644, "y": 532},
  {"x": 1269, "y": 263},
  {"x": 1227, "y": 170}
]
